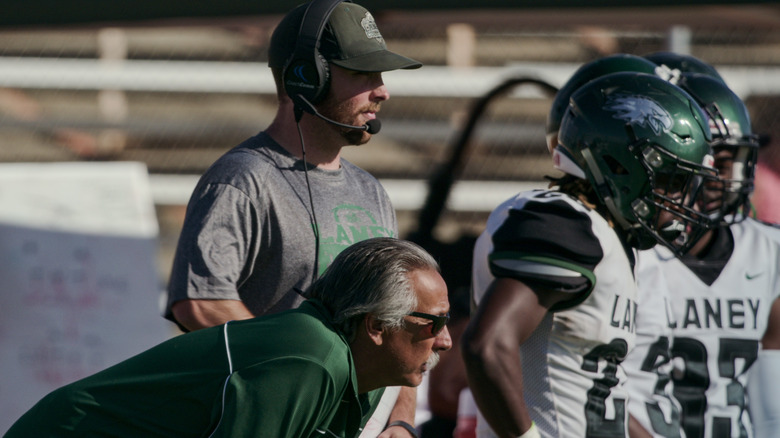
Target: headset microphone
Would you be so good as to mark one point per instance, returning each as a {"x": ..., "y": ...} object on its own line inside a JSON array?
[{"x": 372, "y": 126}]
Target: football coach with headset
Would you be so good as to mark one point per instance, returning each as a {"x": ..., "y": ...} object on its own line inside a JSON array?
[
  {"x": 269, "y": 216},
  {"x": 377, "y": 317}
]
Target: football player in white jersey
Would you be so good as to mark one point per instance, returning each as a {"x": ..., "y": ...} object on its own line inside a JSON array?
[
  {"x": 553, "y": 272},
  {"x": 648, "y": 365},
  {"x": 654, "y": 410},
  {"x": 725, "y": 288}
]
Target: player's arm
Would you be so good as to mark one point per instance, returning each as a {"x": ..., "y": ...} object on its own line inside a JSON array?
[
  {"x": 505, "y": 318},
  {"x": 198, "y": 314},
  {"x": 214, "y": 249},
  {"x": 764, "y": 374},
  {"x": 771, "y": 339},
  {"x": 635, "y": 429}
]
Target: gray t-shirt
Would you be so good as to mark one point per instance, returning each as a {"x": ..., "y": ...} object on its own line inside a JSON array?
[{"x": 249, "y": 233}]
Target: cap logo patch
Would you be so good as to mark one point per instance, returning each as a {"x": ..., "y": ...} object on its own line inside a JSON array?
[
  {"x": 640, "y": 111},
  {"x": 369, "y": 25}
]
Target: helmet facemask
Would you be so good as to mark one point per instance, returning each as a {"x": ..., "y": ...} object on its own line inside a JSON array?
[
  {"x": 644, "y": 145},
  {"x": 727, "y": 199},
  {"x": 669, "y": 211}
]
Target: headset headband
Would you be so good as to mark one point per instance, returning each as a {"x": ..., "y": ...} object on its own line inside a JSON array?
[
  {"x": 312, "y": 25},
  {"x": 306, "y": 73}
]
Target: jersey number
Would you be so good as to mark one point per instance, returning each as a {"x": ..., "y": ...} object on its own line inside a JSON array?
[
  {"x": 596, "y": 407},
  {"x": 658, "y": 355},
  {"x": 690, "y": 388}
]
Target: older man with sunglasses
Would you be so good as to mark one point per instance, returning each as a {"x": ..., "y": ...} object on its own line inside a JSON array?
[{"x": 376, "y": 318}]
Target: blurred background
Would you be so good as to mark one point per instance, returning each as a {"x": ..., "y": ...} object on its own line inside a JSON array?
[{"x": 172, "y": 85}]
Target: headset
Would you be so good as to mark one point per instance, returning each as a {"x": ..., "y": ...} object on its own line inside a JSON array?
[{"x": 306, "y": 74}]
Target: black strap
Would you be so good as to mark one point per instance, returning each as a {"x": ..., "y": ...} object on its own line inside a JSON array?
[{"x": 409, "y": 428}]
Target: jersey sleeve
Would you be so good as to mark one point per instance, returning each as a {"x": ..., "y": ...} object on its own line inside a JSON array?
[{"x": 548, "y": 244}]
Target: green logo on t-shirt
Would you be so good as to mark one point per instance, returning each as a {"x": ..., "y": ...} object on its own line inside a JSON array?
[{"x": 352, "y": 224}]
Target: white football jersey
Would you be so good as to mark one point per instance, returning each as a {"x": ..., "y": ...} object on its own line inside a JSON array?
[
  {"x": 572, "y": 378},
  {"x": 648, "y": 366},
  {"x": 718, "y": 330}
]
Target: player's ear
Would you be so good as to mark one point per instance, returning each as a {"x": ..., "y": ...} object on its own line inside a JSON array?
[{"x": 374, "y": 328}]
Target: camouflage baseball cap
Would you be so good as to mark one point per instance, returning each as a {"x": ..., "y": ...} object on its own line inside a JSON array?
[{"x": 351, "y": 40}]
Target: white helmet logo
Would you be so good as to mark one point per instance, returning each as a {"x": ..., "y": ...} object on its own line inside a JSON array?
[{"x": 640, "y": 111}]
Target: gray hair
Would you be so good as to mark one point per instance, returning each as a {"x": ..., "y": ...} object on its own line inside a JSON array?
[{"x": 371, "y": 276}]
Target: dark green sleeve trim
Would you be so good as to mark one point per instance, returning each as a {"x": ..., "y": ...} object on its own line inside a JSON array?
[
  {"x": 506, "y": 255},
  {"x": 586, "y": 273}
]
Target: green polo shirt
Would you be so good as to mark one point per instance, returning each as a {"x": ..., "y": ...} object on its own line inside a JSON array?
[{"x": 284, "y": 375}]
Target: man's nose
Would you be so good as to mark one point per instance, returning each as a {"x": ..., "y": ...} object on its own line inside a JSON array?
[{"x": 443, "y": 340}]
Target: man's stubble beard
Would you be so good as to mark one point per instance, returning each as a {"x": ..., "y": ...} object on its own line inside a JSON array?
[{"x": 343, "y": 112}]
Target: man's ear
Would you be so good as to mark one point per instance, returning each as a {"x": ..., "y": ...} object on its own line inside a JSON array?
[{"x": 374, "y": 328}]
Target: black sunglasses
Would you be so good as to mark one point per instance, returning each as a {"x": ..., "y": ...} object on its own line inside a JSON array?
[{"x": 439, "y": 322}]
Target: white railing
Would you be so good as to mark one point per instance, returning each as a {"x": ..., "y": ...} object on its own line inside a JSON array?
[
  {"x": 253, "y": 77},
  {"x": 233, "y": 77}
]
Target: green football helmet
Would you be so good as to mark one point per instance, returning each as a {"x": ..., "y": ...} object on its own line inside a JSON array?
[
  {"x": 644, "y": 145},
  {"x": 683, "y": 63},
  {"x": 734, "y": 145},
  {"x": 621, "y": 62}
]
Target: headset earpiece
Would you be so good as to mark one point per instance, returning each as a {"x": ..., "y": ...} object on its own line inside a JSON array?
[
  {"x": 307, "y": 77},
  {"x": 306, "y": 72}
]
